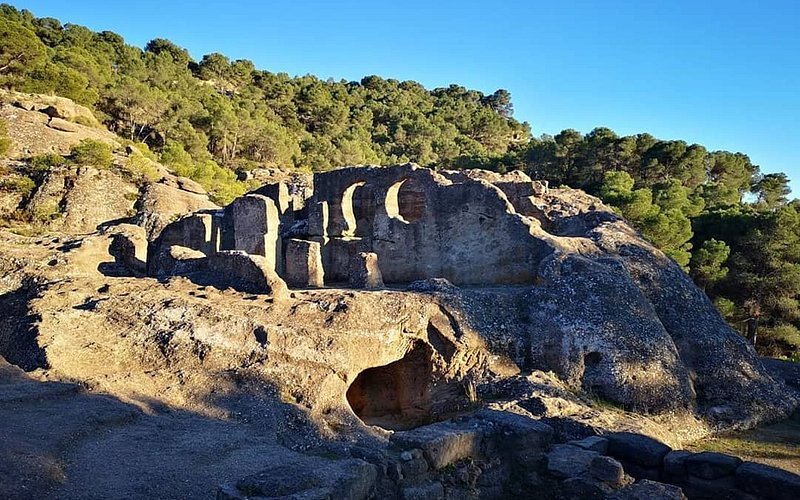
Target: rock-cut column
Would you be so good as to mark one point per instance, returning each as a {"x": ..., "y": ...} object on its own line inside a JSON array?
[{"x": 256, "y": 223}]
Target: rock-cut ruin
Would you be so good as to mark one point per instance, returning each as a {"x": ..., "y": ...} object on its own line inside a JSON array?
[
  {"x": 572, "y": 287},
  {"x": 364, "y": 226}
]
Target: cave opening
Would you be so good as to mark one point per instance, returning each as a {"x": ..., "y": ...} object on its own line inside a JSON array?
[{"x": 396, "y": 396}]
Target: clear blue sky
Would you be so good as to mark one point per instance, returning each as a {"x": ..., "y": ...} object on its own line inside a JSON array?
[{"x": 725, "y": 74}]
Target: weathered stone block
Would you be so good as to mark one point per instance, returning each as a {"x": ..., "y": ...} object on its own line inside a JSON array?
[
  {"x": 443, "y": 443},
  {"x": 430, "y": 491},
  {"x": 303, "y": 266},
  {"x": 364, "y": 271},
  {"x": 637, "y": 448},
  {"x": 567, "y": 461},
  {"x": 256, "y": 223},
  {"x": 318, "y": 219},
  {"x": 768, "y": 482},
  {"x": 675, "y": 465},
  {"x": 608, "y": 470},
  {"x": 129, "y": 248},
  {"x": 649, "y": 490},
  {"x": 246, "y": 273},
  {"x": 709, "y": 465},
  {"x": 593, "y": 443}
]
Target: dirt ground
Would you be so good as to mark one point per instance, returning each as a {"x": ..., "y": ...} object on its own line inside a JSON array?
[{"x": 60, "y": 441}]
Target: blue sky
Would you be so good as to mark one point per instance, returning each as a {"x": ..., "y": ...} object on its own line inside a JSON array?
[{"x": 725, "y": 74}]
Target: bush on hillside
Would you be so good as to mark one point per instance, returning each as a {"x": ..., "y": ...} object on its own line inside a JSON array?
[
  {"x": 93, "y": 153},
  {"x": 5, "y": 142}
]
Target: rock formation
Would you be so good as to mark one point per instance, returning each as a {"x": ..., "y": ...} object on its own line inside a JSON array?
[
  {"x": 493, "y": 303},
  {"x": 583, "y": 294}
]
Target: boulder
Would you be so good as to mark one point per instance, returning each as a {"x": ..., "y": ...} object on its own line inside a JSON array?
[
  {"x": 710, "y": 465},
  {"x": 63, "y": 125},
  {"x": 675, "y": 465},
  {"x": 442, "y": 443},
  {"x": 567, "y": 461},
  {"x": 191, "y": 186},
  {"x": 160, "y": 204},
  {"x": 608, "y": 470},
  {"x": 767, "y": 482},
  {"x": 637, "y": 449},
  {"x": 429, "y": 491},
  {"x": 352, "y": 479},
  {"x": 593, "y": 443},
  {"x": 80, "y": 200}
]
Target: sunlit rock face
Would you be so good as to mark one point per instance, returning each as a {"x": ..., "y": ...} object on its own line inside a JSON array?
[{"x": 547, "y": 279}]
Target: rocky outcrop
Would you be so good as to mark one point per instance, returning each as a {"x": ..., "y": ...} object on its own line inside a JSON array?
[
  {"x": 39, "y": 124},
  {"x": 161, "y": 203},
  {"x": 458, "y": 375},
  {"x": 81, "y": 199},
  {"x": 592, "y": 301}
]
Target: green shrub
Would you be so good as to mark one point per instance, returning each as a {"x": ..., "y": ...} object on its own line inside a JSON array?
[
  {"x": 5, "y": 142},
  {"x": 141, "y": 167},
  {"x": 46, "y": 212},
  {"x": 42, "y": 163},
  {"x": 786, "y": 334},
  {"x": 93, "y": 153},
  {"x": 220, "y": 182},
  {"x": 22, "y": 184},
  {"x": 85, "y": 121}
]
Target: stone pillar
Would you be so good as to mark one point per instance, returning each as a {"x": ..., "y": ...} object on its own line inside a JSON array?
[
  {"x": 318, "y": 219},
  {"x": 304, "y": 264},
  {"x": 256, "y": 223},
  {"x": 364, "y": 271}
]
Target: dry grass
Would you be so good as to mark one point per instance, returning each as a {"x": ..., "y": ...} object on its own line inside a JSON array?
[{"x": 777, "y": 444}]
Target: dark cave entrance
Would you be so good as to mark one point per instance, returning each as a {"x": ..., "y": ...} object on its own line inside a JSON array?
[{"x": 396, "y": 396}]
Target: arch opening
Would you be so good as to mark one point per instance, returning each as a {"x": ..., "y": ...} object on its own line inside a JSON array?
[
  {"x": 405, "y": 201},
  {"x": 350, "y": 220},
  {"x": 396, "y": 396}
]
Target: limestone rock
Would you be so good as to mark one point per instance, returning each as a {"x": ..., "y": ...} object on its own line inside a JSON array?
[
  {"x": 160, "y": 204},
  {"x": 304, "y": 264},
  {"x": 63, "y": 125},
  {"x": 649, "y": 490},
  {"x": 429, "y": 491},
  {"x": 52, "y": 106},
  {"x": 709, "y": 465},
  {"x": 364, "y": 271},
  {"x": 443, "y": 443},
  {"x": 34, "y": 132},
  {"x": 312, "y": 479},
  {"x": 637, "y": 449},
  {"x": 129, "y": 248},
  {"x": 567, "y": 461},
  {"x": 190, "y": 186},
  {"x": 80, "y": 200},
  {"x": 234, "y": 269},
  {"x": 767, "y": 482}
]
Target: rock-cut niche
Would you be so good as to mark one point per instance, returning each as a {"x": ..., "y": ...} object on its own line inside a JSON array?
[{"x": 396, "y": 396}]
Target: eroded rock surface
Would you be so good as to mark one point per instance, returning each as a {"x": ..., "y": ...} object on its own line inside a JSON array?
[{"x": 498, "y": 293}]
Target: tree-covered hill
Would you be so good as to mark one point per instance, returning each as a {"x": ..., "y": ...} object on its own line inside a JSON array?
[{"x": 731, "y": 227}]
